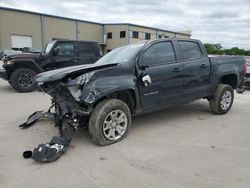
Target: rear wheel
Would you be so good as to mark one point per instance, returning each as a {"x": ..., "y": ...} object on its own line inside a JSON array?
[
  {"x": 23, "y": 80},
  {"x": 223, "y": 99},
  {"x": 109, "y": 122}
]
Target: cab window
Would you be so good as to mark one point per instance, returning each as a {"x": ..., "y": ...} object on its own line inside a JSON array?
[
  {"x": 159, "y": 53},
  {"x": 66, "y": 48},
  {"x": 190, "y": 50}
]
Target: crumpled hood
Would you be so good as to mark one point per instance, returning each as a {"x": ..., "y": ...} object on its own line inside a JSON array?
[
  {"x": 59, "y": 74},
  {"x": 25, "y": 55}
]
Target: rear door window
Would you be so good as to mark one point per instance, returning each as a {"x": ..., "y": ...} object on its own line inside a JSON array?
[
  {"x": 190, "y": 50},
  {"x": 88, "y": 49}
]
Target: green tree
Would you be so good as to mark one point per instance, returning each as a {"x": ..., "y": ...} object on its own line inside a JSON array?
[{"x": 218, "y": 50}]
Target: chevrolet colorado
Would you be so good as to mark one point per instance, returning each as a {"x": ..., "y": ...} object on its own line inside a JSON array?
[{"x": 137, "y": 79}]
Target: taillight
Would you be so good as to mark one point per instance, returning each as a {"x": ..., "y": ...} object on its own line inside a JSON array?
[{"x": 245, "y": 67}]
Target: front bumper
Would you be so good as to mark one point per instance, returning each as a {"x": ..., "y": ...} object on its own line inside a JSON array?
[{"x": 3, "y": 74}]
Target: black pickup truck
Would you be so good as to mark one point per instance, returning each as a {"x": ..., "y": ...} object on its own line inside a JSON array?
[
  {"x": 20, "y": 69},
  {"x": 140, "y": 78}
]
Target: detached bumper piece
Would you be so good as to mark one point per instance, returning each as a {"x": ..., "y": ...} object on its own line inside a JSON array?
[
  {"x": 50, "y": 151},
  {"x": 36, "y": 116}
]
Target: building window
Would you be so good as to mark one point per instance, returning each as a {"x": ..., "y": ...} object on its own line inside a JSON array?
[
  {"x": 109, "y": 35},
  {"x": 147, "y": 36},
  {"x": 122, "y": 34},
  {"x": 159, "y": 36},
  {"x": 109, "y": 50},
  {"x": 135, "y": 35},
  {"x": 166, "y": 36}
]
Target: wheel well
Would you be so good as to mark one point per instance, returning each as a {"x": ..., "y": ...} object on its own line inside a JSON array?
[
  {"x": 127, "y": 96},
  {"x": 230, "y": 79}
]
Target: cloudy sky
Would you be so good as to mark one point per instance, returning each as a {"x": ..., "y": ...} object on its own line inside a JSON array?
[{"x": 216, "y": 21}]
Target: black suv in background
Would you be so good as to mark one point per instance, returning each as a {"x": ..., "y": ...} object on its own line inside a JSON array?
[{"x": 20, "y": 69}]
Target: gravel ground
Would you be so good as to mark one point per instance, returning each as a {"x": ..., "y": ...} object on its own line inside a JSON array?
[{"x": 180, "y": 147}]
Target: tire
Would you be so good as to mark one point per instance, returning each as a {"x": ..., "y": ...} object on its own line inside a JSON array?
[
  {"x": 106, "y": 111},
  {"x": 223, "y": 99},
  {"x": 23, "y": 80}
]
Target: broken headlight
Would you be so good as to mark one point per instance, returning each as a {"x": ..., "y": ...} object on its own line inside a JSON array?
[{"x": 80, "y": 80}]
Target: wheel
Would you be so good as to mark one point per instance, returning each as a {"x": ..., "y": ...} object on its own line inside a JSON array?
[
  {"x": 23, "y": 80},
  {"x": 109, "y": 122},
  {"x": 222, "y": 100}
]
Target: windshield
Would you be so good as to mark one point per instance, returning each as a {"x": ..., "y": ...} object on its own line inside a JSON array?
[
  {"x": 121, "y": 55},
  {"x": 49, "y": 46}
]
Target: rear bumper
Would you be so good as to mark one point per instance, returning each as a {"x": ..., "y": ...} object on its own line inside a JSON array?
[{"x": 3, "y": 74}]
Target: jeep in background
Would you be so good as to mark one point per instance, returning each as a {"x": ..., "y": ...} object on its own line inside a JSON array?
[
  {"x": 20, "y": 69},
  {"x": 137, "y": 79}
]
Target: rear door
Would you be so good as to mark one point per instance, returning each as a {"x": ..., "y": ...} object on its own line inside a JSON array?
[
  {"x": 89, "y": 52},
  {"x": 67, "y": 54},
  {"x": 159, "y": 65},
  {"x": 196, "y": 70}
]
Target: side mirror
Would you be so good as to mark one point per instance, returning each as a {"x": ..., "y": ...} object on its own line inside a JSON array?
[{"x": 56, "y": 51}]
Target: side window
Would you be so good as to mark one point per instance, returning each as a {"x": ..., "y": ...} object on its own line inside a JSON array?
[
  {"x": 190, "y": 50},
  {"x": 66, "y": 48},
  {"x": 87, "y": 49},
  {"x": 159, "y": 53}
]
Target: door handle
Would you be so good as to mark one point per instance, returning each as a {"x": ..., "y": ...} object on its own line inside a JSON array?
[
  {"x": 203, "y": 66},
  {"x": 176, "y": 70},
  {"x": 146, "y": 80}
]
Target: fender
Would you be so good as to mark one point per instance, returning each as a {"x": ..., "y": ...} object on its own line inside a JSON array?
[
  {"x": 105, "y": 86},
  {"x": 26, "y": 63},
  {"x": 221, "y": 70}
]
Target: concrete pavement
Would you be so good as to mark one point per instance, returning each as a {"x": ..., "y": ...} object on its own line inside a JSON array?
[{"x": 180, "y": 147}]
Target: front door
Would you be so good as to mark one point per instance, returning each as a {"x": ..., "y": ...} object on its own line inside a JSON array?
[
  {"x": 67, "y": 55},
  {"x": 161, "y": 80}
]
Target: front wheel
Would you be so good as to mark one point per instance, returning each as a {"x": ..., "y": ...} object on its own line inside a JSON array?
[
  {"x": 23, "y": 80},
  {"x": 223, "y": 99},
  {"x": 109, "y": 122}
]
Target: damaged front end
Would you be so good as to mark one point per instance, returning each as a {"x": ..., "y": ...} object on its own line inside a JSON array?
[{"x": 70, "y": 110}]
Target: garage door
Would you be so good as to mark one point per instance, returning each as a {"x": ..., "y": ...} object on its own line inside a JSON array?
[{"x": 20, "y": 41}]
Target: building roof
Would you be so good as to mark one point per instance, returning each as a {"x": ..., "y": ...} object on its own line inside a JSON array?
[
  {"x": 148, "y": 27},
  {"x": 49, "y": 15},
  {"x": 80, "y": 20}
]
